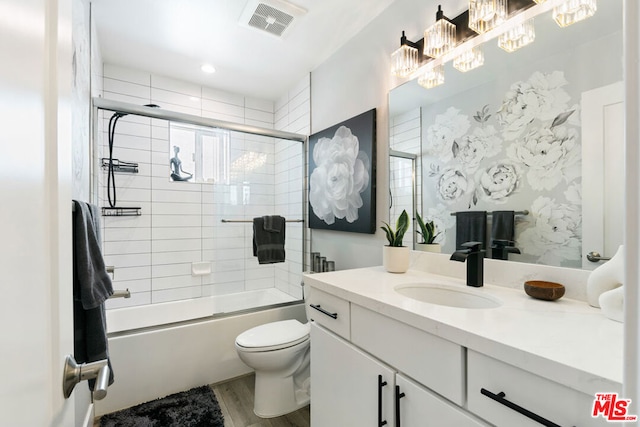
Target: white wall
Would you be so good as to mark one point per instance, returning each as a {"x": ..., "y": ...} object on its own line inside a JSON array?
[{"x": 355, "y": 79}]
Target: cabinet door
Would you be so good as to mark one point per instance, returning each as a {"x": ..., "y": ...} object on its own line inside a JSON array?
[
  {"x": 344, "y": 384},
  {"x": 496, "y": 388},
  {"x": 419, "y": 407}
]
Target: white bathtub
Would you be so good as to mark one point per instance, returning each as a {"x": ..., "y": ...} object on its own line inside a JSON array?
[
  {"x": 145, "y": 316},
  {"x": 161, "y": 360}
]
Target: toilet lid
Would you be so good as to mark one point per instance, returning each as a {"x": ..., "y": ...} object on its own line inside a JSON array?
[{"x": 274, "y": 334}]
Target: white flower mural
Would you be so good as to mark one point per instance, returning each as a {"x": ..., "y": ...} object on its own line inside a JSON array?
[
  {"x": 556, "y": 233},
  {"x": 541, "y": 97},
  {"x": 497, "y": 182},
  {"x": 550, "y": 155},
  {"x": 452, "y": 184},
  {"x": 535, "y": 133},
  {"x": 442, "y": 134},
  {"x": 341, "y": 174},
  {"x": 472, "y": 149}
]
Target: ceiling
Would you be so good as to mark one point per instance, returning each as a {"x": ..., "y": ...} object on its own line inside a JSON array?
[{"x": 174, "y": 38}]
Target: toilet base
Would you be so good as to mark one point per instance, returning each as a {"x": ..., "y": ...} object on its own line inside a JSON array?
[{"x": 276, "y": 396}]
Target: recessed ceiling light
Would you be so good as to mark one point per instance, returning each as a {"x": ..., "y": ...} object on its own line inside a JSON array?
[{"x": 208, "y": 68}]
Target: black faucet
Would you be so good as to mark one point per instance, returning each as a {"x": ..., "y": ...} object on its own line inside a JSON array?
[
  {"x": 500, "y": 249},
  {"x": 473, "y": 253}
]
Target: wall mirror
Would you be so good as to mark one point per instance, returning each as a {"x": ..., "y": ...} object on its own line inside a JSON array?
[{"x": 537, "y": 131}]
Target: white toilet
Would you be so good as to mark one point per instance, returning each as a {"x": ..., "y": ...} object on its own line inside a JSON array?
[{"x": 279, "y": 354}]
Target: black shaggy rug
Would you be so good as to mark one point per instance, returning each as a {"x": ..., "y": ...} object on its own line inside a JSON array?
[{"x": 197, "y": 407}]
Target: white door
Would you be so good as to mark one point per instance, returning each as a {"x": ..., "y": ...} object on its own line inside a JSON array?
[
  {"x": 344, "y": 384},
  {"x": 602, "y": 171},
  {"x": 36, "y": 317}
]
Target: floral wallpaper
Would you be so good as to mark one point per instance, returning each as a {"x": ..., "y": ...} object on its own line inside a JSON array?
[{"x": 519, "y": 152}]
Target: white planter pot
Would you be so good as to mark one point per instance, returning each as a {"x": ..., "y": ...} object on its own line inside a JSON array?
[
  {"x": 395, "y": 259},
  {"x": 429, "y": 247}
]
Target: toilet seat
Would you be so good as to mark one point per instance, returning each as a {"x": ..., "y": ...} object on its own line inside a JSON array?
[{"x": 273, "y": 336}]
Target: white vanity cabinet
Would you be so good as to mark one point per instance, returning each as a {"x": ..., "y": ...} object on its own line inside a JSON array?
[
  {"x": 371, "y": 370},
  {"x": 349, "y": 387},
  {"x": 500, "y": 393}
]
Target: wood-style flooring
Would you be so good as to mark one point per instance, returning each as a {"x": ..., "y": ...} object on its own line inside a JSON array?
[{"x": 236, "y": 402}]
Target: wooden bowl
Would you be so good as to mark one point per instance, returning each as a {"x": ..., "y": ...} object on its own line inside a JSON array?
[{"x": 548, "y": 291}]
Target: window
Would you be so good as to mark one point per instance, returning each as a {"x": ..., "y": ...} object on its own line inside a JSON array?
[{"x": 198, "y": 155}]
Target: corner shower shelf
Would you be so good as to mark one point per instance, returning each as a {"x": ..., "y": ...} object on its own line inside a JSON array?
[
  {"x": 121, "y": 211},
  {"x": 120, "y": 166}
]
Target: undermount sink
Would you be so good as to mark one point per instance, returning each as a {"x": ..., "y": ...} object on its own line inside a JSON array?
[{"x": 447, "y": 296}]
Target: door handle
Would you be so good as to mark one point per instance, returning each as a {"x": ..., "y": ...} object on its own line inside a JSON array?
[{"x": 74, "y": 373}]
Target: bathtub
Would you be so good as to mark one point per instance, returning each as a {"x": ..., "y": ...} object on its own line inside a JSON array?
[
  {"x": 153, "y": 315},
  {"x": 165, "y": 348}
]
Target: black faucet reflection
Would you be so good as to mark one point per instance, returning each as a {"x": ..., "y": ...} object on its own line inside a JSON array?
[
  {"x": 473, "y": 254},
  {"x": 500, "y": 249}
]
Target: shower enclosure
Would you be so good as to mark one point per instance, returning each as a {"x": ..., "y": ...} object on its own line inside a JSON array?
[{"x": 180, "y": 236}]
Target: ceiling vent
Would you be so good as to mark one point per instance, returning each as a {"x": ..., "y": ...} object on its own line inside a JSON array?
[{"x": 274, "y": 17}]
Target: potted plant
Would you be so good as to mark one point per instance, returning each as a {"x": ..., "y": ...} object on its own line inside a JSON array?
[
  {"x": 428, "y": 232},
  {"x": 395, "y": 256}
]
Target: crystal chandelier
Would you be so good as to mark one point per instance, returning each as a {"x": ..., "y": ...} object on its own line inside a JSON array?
[
  {"x": 469, "y": 59},
  {"x": 484, "y": 15},
  {"x": 573, "y": 11},
  {"x": 439, "y": 38},
  {"x": 432, "y": 77},
  {"x": 518, "y": 36}
]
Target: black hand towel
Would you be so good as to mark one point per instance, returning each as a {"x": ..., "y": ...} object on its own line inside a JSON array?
[
  {"x": 471, "y": 226},
  {"x": 502, "y": 225},
  {"x": 91, "y": 287},
  {"x": 268, "y": 246},
  {"x": 93, "y": 280}
]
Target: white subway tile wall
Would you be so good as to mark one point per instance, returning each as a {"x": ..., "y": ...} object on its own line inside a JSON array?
[
  {"x": 405, "y": 133},
  {"x": 181, "y": 221}
]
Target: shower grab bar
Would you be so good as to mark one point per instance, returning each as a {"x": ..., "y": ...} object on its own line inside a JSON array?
[
  {"x": 247, "y": 220},
  {"x": 121, "y": 294},
  {"x": 524, "y": 212}
]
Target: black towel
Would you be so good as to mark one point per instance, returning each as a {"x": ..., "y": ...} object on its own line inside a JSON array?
[
  {"x": 471, "y": 226},
  {"x": 502, "y": 225},
  {"x": 91, "y": 287},
  {"x": 93, "y": 280},
  {"x": 268, "y": 246}
]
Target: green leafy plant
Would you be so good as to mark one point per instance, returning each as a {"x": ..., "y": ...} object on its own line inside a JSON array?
[
  {"x": 395, "y": 236},
  {"x": 427, "y": 230}
]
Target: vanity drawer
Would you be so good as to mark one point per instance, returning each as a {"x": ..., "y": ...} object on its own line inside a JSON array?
[
  {"x": 432, "y": 361},
  {"x": 329, "y": 311},
  {"x": 547, "y": 399}
]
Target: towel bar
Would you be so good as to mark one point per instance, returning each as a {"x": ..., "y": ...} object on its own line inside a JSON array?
[
  {"x": 524, "y": 212},
  {"x": 121, "y": 294},
  {"x": 251, "y": 221}
]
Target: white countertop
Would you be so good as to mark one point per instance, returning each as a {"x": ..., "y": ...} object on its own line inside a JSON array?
[{"x": 566, "y": 341}]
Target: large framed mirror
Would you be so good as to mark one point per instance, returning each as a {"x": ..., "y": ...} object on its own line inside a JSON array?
[{"x": 537, "y": 132}]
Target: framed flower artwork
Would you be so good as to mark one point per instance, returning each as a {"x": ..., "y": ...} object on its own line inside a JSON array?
[{"x": 342, "y": 176}]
